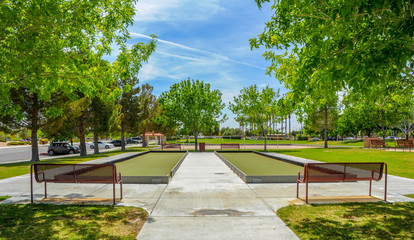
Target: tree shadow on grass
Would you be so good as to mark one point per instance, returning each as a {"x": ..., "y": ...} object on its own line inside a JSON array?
[
  {"x": 45, "y": 221},
  {"x": 362, "y": 221}
]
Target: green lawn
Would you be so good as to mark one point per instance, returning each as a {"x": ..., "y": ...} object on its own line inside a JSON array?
[
  {"x": 399, "y": 163},
  {"x": 2, "y": 198},
  {"x": 150, "y": 164},
  {"x": 255, "y": 164},
  {"x": 410, "y": 195},
  {"x": 17, "y": 169},
  {"x": 48, "y": 221},
  {"x": 351, "y": 220},
  {"x": 249, "y": 141}
]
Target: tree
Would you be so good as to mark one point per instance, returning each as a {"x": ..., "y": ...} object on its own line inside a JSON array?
[
  {"x": 382, "y": 106},
  {"x": 127, "y": 67},
  {"x": 354, "y": 43},
  {"x": 148, "y": 110},
  {"x": 46, "y": 47},
  {"x": 101, "y": 119},
  {"x": 323, "y": 119},
  {"x": 256, "y": 107},
  {"x": 191, "y": 105}
]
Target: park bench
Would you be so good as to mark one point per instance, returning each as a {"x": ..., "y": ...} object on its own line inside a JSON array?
[
  {"x": 375, "y": 143},
  {"x": 342, "y": 172},
  {"x": 74, "y": 173},
  {"x": 405, "y": 143},
  {"x": 230, "y": 146},
  {"x": 170, "y": 146}
]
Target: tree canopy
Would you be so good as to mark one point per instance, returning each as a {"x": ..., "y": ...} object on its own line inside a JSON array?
[
  {"x": 48, "y": 47},
  {"x": 255, "y": 107},
  {"x": 353, "y": 44},
  {"x": 193, "y": 106}
]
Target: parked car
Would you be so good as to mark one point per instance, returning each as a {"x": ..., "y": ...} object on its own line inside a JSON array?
[
  {"x": 61, "y": 148},
  {"x": 117, "y": 143},
  {"x": 315, "y": 139},
  {"x": 139, "y": 139},
  {"x": 101, "y": 145},
  {"x": 132, "y": 141},
  {"x": 390, "y": 138}
]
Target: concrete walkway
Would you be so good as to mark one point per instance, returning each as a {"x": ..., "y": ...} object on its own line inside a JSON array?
[{"x": 206, "y": 200}]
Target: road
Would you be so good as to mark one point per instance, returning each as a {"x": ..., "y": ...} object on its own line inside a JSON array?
[{"x": 24, "y": 153}]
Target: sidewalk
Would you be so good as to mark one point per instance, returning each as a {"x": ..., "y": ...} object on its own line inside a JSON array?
[{"x": 206, "y": 200}]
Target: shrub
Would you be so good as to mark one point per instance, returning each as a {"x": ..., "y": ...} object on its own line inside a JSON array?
[
  {"x": 302, "y": 138},
  {"x": 232, "y": 137},
  {"x": 18, "y": 143},
  {"x": 2, "y": 140}
]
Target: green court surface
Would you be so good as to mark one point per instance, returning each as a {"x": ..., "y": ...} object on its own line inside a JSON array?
[
  {"x": 256, "y": 164},
  {"x": 150, "y": 164}
]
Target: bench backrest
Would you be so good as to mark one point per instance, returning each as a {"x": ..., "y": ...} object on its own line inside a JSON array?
[
  {"x": 343, "y": 172},
  {"x": 405, "y": 142},
  {"x": 171, "y": 146},
  {"x": 376, "y": 142},
  {"x": 75, "y": 173},
  {"x": 230, "y": 145}
]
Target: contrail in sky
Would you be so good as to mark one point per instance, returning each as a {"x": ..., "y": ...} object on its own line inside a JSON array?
[{"x": 196, "y": 50}]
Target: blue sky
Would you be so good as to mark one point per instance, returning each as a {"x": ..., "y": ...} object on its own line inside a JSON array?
[{"x": 206, "y": 40}]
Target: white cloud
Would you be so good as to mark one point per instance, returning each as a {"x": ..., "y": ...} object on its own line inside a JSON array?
[
  {"x": 211, "y": 54},
  {"x": 176, "y": 10}
]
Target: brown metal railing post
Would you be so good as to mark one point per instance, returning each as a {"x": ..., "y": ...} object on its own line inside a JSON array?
[
  {"x": 297, "y": 186},
  {"x": 45, "y": 190},
  {"x": 307, "y": 181},
  {"x": 113, "y": 181},
  {"x": 370, "y": 185},
  {"x": 120, "y": 181},
  {"x": 31, "y": 183},
  {"x": 344, "y": 172},
  {"x": 386, "y": 174}
]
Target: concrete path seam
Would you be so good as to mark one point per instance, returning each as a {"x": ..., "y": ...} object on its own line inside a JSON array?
[{"x": 162, "y": 193}]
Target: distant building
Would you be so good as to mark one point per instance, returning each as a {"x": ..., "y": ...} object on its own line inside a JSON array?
[{"x": 157, "y": 138}]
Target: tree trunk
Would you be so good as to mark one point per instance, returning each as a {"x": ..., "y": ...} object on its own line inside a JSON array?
[
  {"x": 326, "y": 128},
  {"x": 289, "y": 125},
  {"x": 122, "y": 138},
  {"x": 383, "y": 129},
  {"x": 196, "y": 138},
  {"x": 265, "y": 138},
  {"x": 95, "y": 143},
  {"x": 82, "y": 144},
  {"x": 34, "y": 127},
  {"x": 286, "y": 126},
  {"x": 407, "y": 136},
  {"x": 144, "y": 140},
  {"x": 35, "y": 148},
  {"x": 71, "y": 141}
]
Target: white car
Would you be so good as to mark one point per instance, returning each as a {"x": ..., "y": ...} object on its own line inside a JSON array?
[{"x": 101, "y": 145}]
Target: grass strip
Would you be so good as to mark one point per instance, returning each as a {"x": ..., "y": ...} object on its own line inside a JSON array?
[
  {"x": 150, "y": 164},
  {"x": 47, "y": 221},
  {"x": 255, "y": 164},
  {"x": 350, "y": 220},
  {"x": 21, "y": 168},
  {"x": 410, "y": 195},
  {"x": 250, "y": 141},
  {"x": 399, "y": 163},
  {"x": 2, "y": 198}
]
